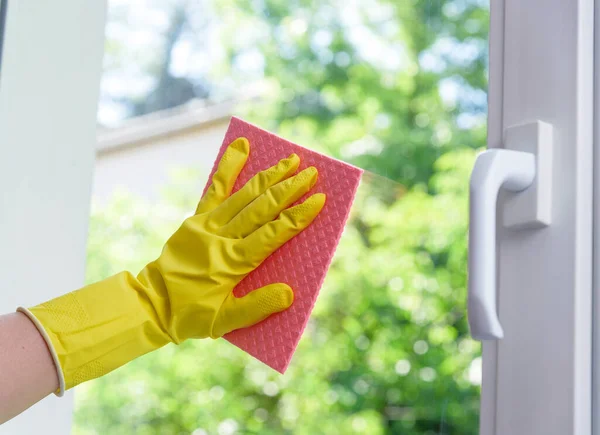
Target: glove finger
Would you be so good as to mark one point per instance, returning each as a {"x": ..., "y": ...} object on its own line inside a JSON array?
[
  {"x": 236, "y": 313},
  {"x": 224, "y": 178},
  {"x": 254, "y": 188},
  {"x": 270, "y": 237},
  {"x": 270, "y": 204}
]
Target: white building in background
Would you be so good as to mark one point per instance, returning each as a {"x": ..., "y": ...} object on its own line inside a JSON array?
[{"x": 139, "y": 155}]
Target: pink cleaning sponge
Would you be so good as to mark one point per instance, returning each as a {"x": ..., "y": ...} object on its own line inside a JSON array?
[{"x": 301, "y": 263}]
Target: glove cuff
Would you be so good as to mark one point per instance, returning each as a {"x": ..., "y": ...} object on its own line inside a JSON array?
[{"x": 96, "y": 329}]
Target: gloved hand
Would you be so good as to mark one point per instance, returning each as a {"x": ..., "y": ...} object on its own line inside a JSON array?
[{"x": 187, "y": 291}]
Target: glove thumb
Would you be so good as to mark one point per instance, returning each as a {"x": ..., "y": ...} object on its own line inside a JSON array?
[{"x": 236, "y": 313}]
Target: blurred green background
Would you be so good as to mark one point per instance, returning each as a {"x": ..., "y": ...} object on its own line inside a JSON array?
[{"x": 397, "y": 88}]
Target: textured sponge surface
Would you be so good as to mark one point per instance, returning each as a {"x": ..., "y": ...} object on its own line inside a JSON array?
[{"x": 301, "y": 263}]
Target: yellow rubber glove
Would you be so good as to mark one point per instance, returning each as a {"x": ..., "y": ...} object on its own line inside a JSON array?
[{"x": 187, "y": 291}]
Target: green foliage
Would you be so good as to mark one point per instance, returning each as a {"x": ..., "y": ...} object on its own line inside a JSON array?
[
  {"x": 389, "y": 86},
  {"x": 397, "y": 88}
]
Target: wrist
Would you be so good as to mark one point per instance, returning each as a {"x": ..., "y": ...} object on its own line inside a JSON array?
[{"x": 60, "y": 378}]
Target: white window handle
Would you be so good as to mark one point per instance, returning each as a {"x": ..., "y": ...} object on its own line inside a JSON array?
[{"x": 524, "y": 166}]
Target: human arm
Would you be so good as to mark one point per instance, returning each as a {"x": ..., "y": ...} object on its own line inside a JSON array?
[
  {"x": 187, "y": 291},
  {"x": 27, "y": 372}
]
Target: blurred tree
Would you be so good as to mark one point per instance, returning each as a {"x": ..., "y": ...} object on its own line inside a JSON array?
[
  {"x": 386, "y": 85},
  {"x": 170, "y": 91},
  {"x": 149, "y": 57},
  {"x": 389, "y": 86}
]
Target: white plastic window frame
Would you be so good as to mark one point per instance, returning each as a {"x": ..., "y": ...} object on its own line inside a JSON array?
[
  {"x": 596, "y": 240},
  {"x": 537, "y": 379},
  {"x": 49, "y": 86}
]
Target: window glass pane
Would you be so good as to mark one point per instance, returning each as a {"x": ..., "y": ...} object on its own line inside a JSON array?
[{"x": 397, "y": 88}]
